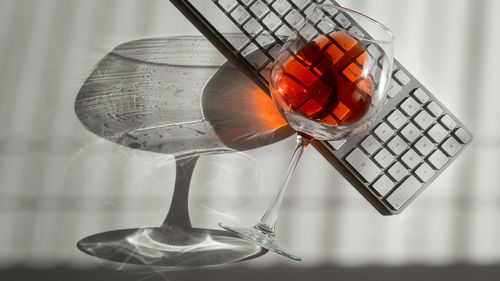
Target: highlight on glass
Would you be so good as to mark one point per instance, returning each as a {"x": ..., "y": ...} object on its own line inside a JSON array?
[{"x": 328, "y": 83}]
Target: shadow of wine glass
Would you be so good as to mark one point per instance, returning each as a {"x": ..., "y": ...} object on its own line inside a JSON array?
[{"x": 175, "y": 96}]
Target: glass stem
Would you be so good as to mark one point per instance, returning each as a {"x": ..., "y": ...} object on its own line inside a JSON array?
[
  {"x": 178, "y": 214},
  {"x": 268, "y": 222}
]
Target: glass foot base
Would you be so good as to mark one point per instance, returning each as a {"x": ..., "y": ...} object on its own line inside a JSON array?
[
  {"x": 168, "y": 248},
  {"x": 262, "y": 238}
]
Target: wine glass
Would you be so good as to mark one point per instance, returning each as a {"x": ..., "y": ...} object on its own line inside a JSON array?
[{"x": 329, "y": 82}]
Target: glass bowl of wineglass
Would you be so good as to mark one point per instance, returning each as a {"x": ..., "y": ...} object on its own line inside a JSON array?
[{"x": 328, "y": 83}]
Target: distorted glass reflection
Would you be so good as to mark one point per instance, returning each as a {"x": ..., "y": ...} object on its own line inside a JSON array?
[{"x": 175, "y": 96}]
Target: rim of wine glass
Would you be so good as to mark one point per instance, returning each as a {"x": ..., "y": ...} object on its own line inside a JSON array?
[{"x": 389, "y": 32}]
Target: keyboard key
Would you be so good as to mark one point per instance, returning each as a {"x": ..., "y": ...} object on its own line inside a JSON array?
[
  {"x": 337, "y": 144},
  {"x": 281, "y": 6},
  {"x": 448, "y": 122},
  {"x": 462, "y": 135},
  {"x": 423, "y": 120},
  {"x": 259, "y": 8},
  {"x": 383, "y": 185},
  {"x": 402, "y": 77},
  {"x": 249, "y": 49},
  {"x": 420, "y": 95},
  {"x": 283, "y": 30},
  {"x": 300, "y": 3},
  {"x": 342, "y": 20},
  {"x": 438, "y": 159},
  {"x": 370, "y": 144},
  {"x": 424, "y": 146},
  {"x": 313, "y": 18},
  {"x": 384, "y": 132},
  {"x": 324, "y": 64},
  {"x": 404, "y": 192},
  {"x": 275, "y": 50},
  {"x": 397, "y": 171},
  {"x": 384, "y": 158},
  {"x": 354, "y": 30},
  {"x": 271, "y": 21},
  {"x": 257, "y": 59},
  {"x": 397, "y": 119},
  {"x": 308, "y": 32},
  {"x": 435, "y": 109},
  {"x": 237, "y": 43},
  {"x": 294, "y": 18},
  {"x": 352, "y": 72},
  {"x": 451, "y": 146},
  {"x": 264, "y": 39},
  {"x": 363, "y": 165},
  {"x": 393, "y": 89},
  {"x": 252, "y": 26},
  {"x": 325, "y": 27},
  {"x": 347, "y": 42},
  {"x": 410, "y": 106},
  {"x": 374, "y": 51},
  {"x": 437, "y": 133},
  {"x": 424, "y": 172},
  {"x": 227, "y": 4},
  {"x": 397, "y": 145},
  {"x": 361, "y": 59},
  {"x": 410, "y": 132},
  {"x": 240, "y": 14},
  {"x": 411, "y": 159}
]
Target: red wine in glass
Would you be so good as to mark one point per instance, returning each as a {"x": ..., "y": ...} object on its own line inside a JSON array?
[{"x": 326, "y": 81}]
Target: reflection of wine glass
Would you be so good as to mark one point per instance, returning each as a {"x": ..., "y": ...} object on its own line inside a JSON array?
[
  {"x": 174, "y": 245},
  {"x": 328, "y": 83},
  {"x": 169, "y": 95}
]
